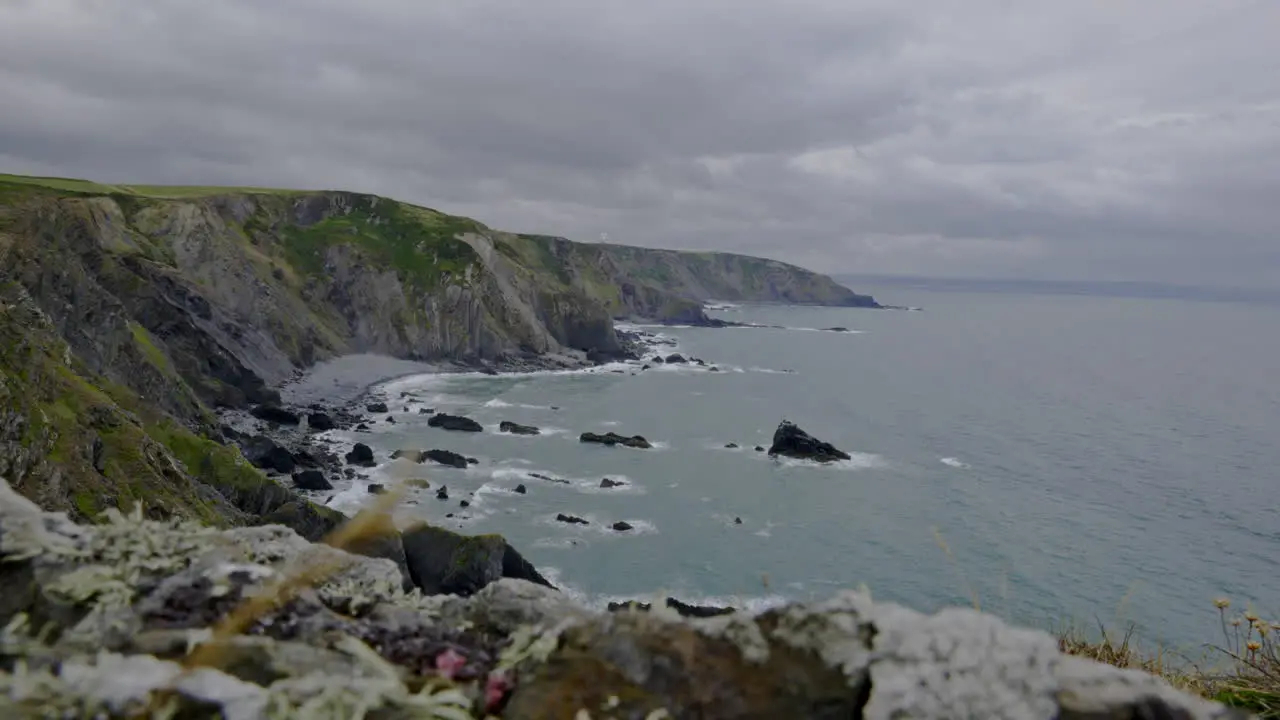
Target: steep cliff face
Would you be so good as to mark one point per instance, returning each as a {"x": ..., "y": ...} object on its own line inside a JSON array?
[
  {"x": 672, "y": 285},
  {"x": 132, "y": 312}
]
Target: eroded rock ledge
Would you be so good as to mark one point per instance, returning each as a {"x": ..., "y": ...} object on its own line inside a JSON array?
[{"x": 99, "y": 621}]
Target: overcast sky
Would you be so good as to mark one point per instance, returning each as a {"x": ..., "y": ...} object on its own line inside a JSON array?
[{"x": 1108, "y": 139}]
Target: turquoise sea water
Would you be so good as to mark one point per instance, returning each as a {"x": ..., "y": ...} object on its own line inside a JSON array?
[{"x": 1060, "y": 458}]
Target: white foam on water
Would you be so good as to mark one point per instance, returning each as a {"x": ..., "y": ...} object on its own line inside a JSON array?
[
  {"x": 609, "y": 423},
  {"x": 599, "y": 526},
  {"x": 499, "y": 403},
  {"x": 721, "y": 447},
  {"x": 546, "y": 432},
  {"x": 953, "y": 462},
  {"x": 857, "y": 461},
  {"x": 771, "y": 371}
]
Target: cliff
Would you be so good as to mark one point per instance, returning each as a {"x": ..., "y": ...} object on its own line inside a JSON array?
[{"x": 131, "y": 312}]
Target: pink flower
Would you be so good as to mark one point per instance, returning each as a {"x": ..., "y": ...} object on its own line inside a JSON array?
[
  {"x": 449, "y": 662},
  {"x": 496, "y": 687}
]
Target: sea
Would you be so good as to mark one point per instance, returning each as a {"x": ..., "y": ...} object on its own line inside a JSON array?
[{"x": 1061, "y": 459}]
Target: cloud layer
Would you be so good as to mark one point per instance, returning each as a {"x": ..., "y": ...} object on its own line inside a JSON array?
[{"x": 1127, "y": 139}]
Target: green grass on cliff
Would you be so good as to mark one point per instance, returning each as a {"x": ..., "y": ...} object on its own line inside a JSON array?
[
  {"x": 88, "y": 187},
  {"x": 421, "y": 244}
]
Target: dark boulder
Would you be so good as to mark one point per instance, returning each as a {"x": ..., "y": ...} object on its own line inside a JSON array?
[
  {"x": 391, "y": 420},
  {"x": 443, "y": 493},
  {"x": 377, "y": 488},
  {"x": 362, "y": 428},
  {"x": 311, "y": 480},
  {"x": 676, "y": 358},
  {"x": 376, "y": 408},
  {"x": 263, "y": 452},
  {"x": 473, "y": 461},
  {"x": 273, "y": 413},
  {"x": 657, "y": 359},
  {"x": 685, "y": 609},
  {"x": 445, "y": 457},
  {"x": 410, "y": 455},
  {"x": 464, "y": 503},
  {"x": 522, "y": 489},
  {"x": 515, "y": 566},
  {"x": 611, "y": 439},
  {"x": 731, "y": 445},
  {"x": 622, "y": 526},
  {"x": 713, "y": 368},
  {"x": 507, "y": 426},
  {"x": 737, "y": 521},
  {"x": 548, "y": 478},
  {"x": 426, "y": 411},
  {"x": 454, "y": 422},
  {"x": 836, "y": 329},
  {"x": 571, "y": 519},
  {"x": 791, "y": 441},
  {"x": 645, "y": 366},
  {"x": 320, "y": 421},
  {"x": 607, "y": 483},
  {"x": 361, "y": 455},
  {"x": 444, "y": 562},
  {"x": 759, "y": 448}
]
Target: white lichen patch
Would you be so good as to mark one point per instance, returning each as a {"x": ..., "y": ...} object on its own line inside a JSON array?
[
  {"x": 739, "y": 629},
  {"x": 837, "y": 630},
  {"x": 532, "y": 643},
  {"x": 321, "y": 696}
]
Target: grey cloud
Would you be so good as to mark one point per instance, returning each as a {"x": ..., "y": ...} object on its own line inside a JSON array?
[{"x": 1093, "y": 139}]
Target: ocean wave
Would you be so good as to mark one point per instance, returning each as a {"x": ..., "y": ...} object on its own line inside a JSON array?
[
  {"x": 499, "y": 403},
  {"x": 954, "y": 462},
  {"x": 584, "y": 485},
  {"x": 857, "y": 461},
  {"x": 600, "y": 601},
  {"x": 546, "y": 431}
]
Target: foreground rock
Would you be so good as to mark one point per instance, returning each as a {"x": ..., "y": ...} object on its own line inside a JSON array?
[
  {"x": 273, "y": 413},
  {"x": 611, "y": 439},
  {"x": 265, "y": 453},
  {"x": 791, "y": 441},
  {"x": 100, "y": 618},
  {"x": 361, "y": 455},
  {"x": 446, "y": 457},
  {"x": 311, "y": 480},
  {"x": 454, "y": 422},
  {"x": 507, "y": 426}
]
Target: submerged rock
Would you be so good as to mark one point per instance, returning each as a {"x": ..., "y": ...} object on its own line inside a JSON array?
[
  {"x": 759, "y": 448},
  {"x": 791, "y": 441},
  {"x": 676, "y": 358},
  {"x": 731, "y": 445},
  {"x": 263, "y": 452},
  {"x": 361, "y": 455},
  {"x": 376, "y": 408},
  {"x": 273, "y": 413},
  {"x": 612, "y": 438},
  {"x": 410, "y": 455},
  {"x": 622, "y": 526},
  {"x": 442, "y": 493},
  {"x": 446, "y": 457},
  {"x": 377, "y": 488},
  {"x": 454, "y": 422},
  {"x": 571, "y": 519},
  {"x": 311, "y": 480},
  {"x": 521, "y": 489},
  {"x": 607, "y": 483},
  {"x": 548, "y": 478},
  {"x": 320, "y": 421},
  {"x": 685, "y": 609},
  {"x": 507, "y": 426}
]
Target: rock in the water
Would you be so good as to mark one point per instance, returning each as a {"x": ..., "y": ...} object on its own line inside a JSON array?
[
  {"x": 410, "y": 455},
  {"x": 507, "y": 426},
  {"x": 443, "y": 493},
  {"x": 361, "y": 455},
  {"x": 377, "y": 488},
  {"x": 607, "y": 483},
  {"x": 713, "y": 368},
  {"x": 473, "y": 461},
  {"x": 571, "y": 519},
  {"x": 447, "y": 563},
  {"x": 454, "y": 422},
  {"x": 361, "y": 427},
  {"x": 731, "y": 445},
  {"x": 464, "y": 503},
  {"x": 737, "y": 521},
  {"x": 376, "y": 408},
  {"x": 791, "y": 441},
  {"x": 320, "y": 421},
  {"x": 426, "y": 411},
  {"x": 391, "y": 420},
  {"x": 685, "y": 609},
  {"x": 445, "y": 457},
  {"x": 263, "y": 452},
  {"x": 645, "y": 366},
  {"x": 612, "y": 438},
  {"x": 759, "y": 448},
  {"x": 656, "y": 359},
  {"x": 273, "y": 413},
  {"x": 676, "y": 358},
  {"x": 521, "y": 489},
  {"x": 548, "y": 478},
  {"x": 622, "y": 526},
  {"x": 311, "y": 480},
  {"x": 836, "y": 329}
]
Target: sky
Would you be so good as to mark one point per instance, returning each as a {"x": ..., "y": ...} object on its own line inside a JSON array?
[{"x": 1091, "y": 139}]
